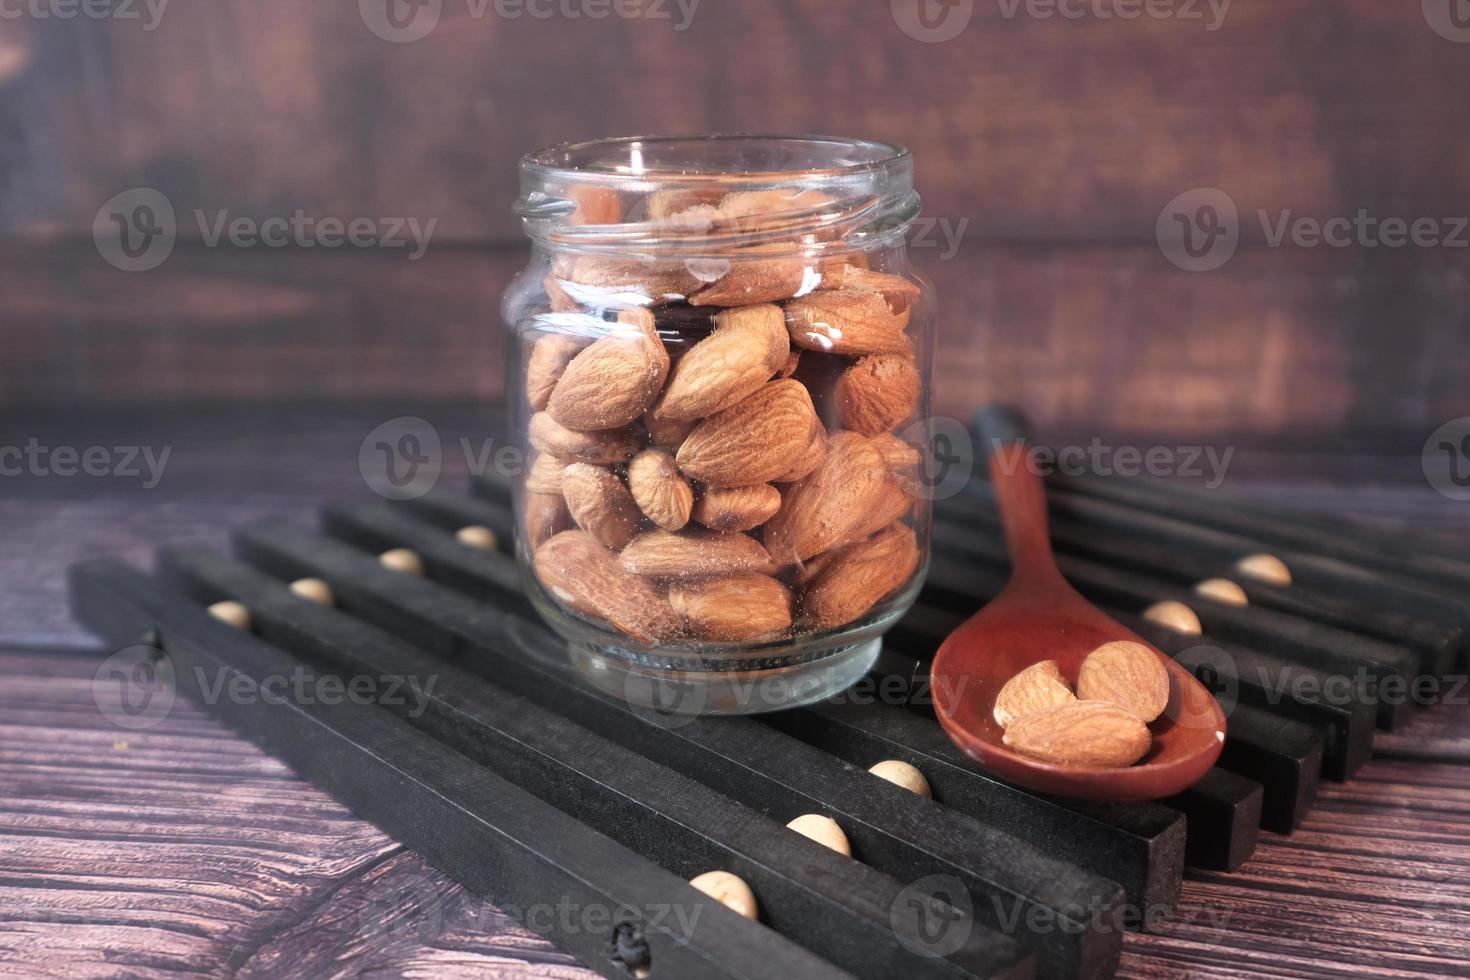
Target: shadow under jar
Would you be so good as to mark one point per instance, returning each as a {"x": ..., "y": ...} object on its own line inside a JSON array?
[{"x": 719, "y": 373}]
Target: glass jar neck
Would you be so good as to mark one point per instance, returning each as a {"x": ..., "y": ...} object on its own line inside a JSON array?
[{"x": 702, "y": 195}]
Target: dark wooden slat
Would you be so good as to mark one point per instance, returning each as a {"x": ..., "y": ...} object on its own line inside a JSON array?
[
  {"x": 1224, "y": 813},
  {"x": 476, "y": 826},
  {"x": 1284, "y": 756},
  {"x": 731, "y": 755},
  {"x": 840, "y": 909}
]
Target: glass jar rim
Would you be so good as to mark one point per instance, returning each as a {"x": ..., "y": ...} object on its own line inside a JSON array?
[
  {"x": 562, "y": 160},
  {"x": 813, "y": 193}
]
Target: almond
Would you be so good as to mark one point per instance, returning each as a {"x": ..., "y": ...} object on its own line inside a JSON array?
[
  {"x": 600, "y": 504},
  {"x": 612, "y": 382},
  {"x": 558, "y": 298},
  {"x": 604, "y": 447},
  {"x": 666, "y": 204},
  {"x": 660, "y": 491},
  {"x": 544, "y": 475},
  {"x": 899, "y": 293},
  {"x": 746, "y": 347},
  {"x": 878, "y": 392},
  {"x": 755, "y": 274},
  {"x": 595, "y": 205},
  {"x": 737, "y": 508},
  {"x": 770, "y": 210},
  {"x": 821, "y": 509},
  {"x": 601, "y": 280},
  {"x": 811, "y": 457},
  {"x": 899, "y": 455},
  {"x": 753, "y": 441},
  {"x": 845, "y": 321},
  {"x": 1094, "y": 734},
  {"x": 584, "y": 575},
  {"x": 1038, "y": 686},
  {"x": 694, "y": 553},
  {"x": 856, "y": 578},
  {"x": 1128, "y": 674},
  {"x": 549, "y": 358},
  {"x": 891, "y": 506},
  {"x": 741, "y": 607},
  {"x": 668, "y": 433},
  {"x": 545, "y": 514},
  {"x": 793, "y": 361}
]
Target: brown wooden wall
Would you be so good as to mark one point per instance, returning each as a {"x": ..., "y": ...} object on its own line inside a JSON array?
[{"x": 1057, "y": 142}]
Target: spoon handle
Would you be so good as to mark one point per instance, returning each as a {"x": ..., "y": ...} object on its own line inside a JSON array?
[{"x": 1019, "y": 494}]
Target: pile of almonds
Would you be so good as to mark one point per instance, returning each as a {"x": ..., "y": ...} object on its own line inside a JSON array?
[
  {"x": 719, "y": 463},
  {"x": 1121, "y": 687}
]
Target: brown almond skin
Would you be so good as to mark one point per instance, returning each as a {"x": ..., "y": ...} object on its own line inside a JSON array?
[
  {"x": 550, "y": 356},
  {"x": 737, "y": 508},
  {"x": 1089, "y": 734},
  {"x": 603, "y": 447},
  {"x": 821, "y": 509},
  {"x": 667, "y": 433},
  {"x": 661, "y": 492},
  {"x": 600, "y": 280},
  {"x": 600, "y": 504},
  {"x": 694, "y": 553},
  {"x": 546, "y": 514},
  {"x": 878, "y": 392},
  {"x": 899, "y": 293},
  {"x": 747, "y": 346},
  {"x": 753, "y": 441},
  {"x": 741, "y": 607},
  {"x": 892, "y": 505},
  {"x": 814, "y": 455},
  {"x": 845, "y": 321},
  {"x": 1038, "y": 686},
  {"x": 1127, "y": 674},
  {"x": 545, "y": 474},
  {"x": 611, "y": 383},
  {"x": 582, "y": 574},
  {"x": 899, "y": 455},
  {"x": 857, "y": 578}
]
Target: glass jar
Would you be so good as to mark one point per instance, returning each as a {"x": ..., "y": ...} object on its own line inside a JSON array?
[{"x": 719, "y": 374}]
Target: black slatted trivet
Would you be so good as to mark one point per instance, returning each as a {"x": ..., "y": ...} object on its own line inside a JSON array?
[{"x": 517, "y": 779}]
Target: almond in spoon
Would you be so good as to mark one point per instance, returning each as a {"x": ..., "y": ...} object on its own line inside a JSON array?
[
  {"x": 1129, "y": 675},
  {"x": 1090, "y": 734},
  {"x": 1038, "y": 686}
]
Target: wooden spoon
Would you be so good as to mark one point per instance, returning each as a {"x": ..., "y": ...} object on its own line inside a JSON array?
[{"x": 1038, "y": 616}]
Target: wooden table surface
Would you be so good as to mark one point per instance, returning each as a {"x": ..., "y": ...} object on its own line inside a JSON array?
[{"x": 183, "y": 850}]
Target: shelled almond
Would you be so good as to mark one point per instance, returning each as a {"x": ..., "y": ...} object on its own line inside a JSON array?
[{"x": 715, "y": 437}]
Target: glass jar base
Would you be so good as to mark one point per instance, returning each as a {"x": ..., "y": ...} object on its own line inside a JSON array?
[{"x": 686, "y": 694}]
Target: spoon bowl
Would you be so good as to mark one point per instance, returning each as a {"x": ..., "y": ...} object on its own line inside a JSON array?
[{"x": 1039, "y": 616}]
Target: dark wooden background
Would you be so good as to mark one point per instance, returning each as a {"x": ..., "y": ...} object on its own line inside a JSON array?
[{"x": 1057, "y": 142}]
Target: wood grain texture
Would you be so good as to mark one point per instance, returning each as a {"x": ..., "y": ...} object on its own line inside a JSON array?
[{"x": 1039, "y": 128}]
